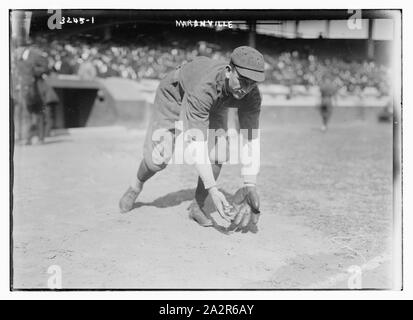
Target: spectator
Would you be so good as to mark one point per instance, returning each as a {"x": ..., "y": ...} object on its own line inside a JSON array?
[
  {"x": 135, "y": 62},
  {"x": 38, "y": 96},
  {"x": 87, "y": 70}
]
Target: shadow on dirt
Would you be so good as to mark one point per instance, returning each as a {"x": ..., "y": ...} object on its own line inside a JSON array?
[
  {"x": 38, "y": 144},
  {"x": 56, "y": 141},
  {"x": 176, "y": 198},
  {"x": 170, "y": 200}
]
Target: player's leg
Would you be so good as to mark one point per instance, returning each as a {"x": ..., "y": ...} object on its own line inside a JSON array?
[
  {"x": 159, "y": 142},
  {"x": 155, "y": 158},
  {"x": 41, "y": 126},
  {"x": 36, "y": 129},
  {"x": 27, "y": 120},
  {"x": 328, "y": 113},
  {"x": 323, "y": 112},
  {"x": 17, "y": 117},
  {"x": 48, "y": 120}
]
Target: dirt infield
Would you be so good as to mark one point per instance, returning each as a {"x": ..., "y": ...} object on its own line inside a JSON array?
[{"x": 326, "y": 203}]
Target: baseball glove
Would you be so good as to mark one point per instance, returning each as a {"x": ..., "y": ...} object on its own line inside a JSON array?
[{"x": 246, "y": 204}]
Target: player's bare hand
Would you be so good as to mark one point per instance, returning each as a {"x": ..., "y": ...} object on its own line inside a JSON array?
[{"x": 221, "y": 203}]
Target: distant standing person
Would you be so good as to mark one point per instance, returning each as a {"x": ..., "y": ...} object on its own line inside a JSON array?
[
  {"x": 361, "y": 102},
  {"x": 328, "y": 91},
  {"x": 38, "y": 95}
]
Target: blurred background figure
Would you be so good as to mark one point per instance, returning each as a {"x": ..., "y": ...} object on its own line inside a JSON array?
[
  {"x": 37, "y": 96},
  {"x": 386, "y": 114},
  {"x": 32, "y": 97},
  {"x": 328, "y": 91},
  {"x": 87, "y": 70}
]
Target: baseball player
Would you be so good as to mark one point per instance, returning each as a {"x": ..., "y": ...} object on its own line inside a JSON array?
[{"x": 199, "y": 94}]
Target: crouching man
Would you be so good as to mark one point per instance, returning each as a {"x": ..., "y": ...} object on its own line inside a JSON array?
[{"x": 199, "y": 94}]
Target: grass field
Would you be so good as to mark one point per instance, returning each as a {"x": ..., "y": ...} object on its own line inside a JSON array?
[{"x": 326, "y": 203}]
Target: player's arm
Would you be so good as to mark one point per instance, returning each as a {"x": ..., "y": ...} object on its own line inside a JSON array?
[
  {"x": 250, "y": 134},
  {"x": 250, "y": 160},
  {"x": 195, "y": 115},
  {"x": 246, "y": 200}
]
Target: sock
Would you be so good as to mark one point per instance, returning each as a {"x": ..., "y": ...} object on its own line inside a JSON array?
[
  {"x": 144, "y": 173},
  {"x": 136, "y": 184}
]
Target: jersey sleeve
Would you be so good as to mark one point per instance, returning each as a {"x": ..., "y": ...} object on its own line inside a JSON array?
[{"x": 249, "y": 113}]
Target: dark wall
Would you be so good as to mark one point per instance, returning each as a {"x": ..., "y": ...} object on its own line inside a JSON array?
[{"x": 77, "y": 105}]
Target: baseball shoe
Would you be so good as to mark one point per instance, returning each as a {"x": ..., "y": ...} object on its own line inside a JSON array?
[
  {"x": 128, "y": 199},
  {"x": 198, "y": 215}
]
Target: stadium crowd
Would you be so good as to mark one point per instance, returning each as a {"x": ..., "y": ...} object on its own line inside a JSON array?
[{"x": 154, "y": 61}]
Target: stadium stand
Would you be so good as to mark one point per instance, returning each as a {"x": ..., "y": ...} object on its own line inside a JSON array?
[{"x": 153, "y": 61}]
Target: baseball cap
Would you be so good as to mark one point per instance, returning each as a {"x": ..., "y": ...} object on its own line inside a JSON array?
[{"x": 249, "y": 63}]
